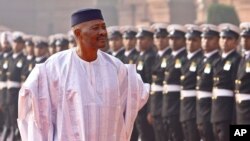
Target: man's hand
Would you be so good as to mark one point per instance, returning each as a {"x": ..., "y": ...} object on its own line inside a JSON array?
[{"x": 150, "y": 119}]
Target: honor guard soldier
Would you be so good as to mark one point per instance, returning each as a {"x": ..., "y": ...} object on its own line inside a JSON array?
[
  {"x": 129, "y": 42},
  {"x": 130, "y": 56},
  {"x": 62, "y": 43},
  {"x": 16, "y": 66},
  {"x": 5, "y": 41},
  {"x": 29, "y": 49},
  {"x": 172, "y": 88},
  {"x": 163, "y": 53},
  {"x": 144, "y": 65},
  {"x": 115, "y": 42},
  {"x": 41, "y": 49},
  {"x": 188, "y": 83},
  {"x": 204, "y": 86},
  {"x": 242, "y": 81},
  {"x": 223, "y": 102}
]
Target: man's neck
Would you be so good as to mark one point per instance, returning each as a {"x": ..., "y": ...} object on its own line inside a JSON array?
[{"x": 87, "y": 53}]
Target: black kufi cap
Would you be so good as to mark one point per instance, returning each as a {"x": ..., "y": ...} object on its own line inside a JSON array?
[{"x": 85, "y": 15}]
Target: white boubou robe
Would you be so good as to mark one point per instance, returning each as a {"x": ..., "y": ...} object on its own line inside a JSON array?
[{"x": 68, "y": 99}]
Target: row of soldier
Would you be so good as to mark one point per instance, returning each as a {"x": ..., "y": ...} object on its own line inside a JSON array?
[
  {"x": 197, "y": 90},
  {"x": 199, "y": 78},
  {"x": 19, "y": 53}
]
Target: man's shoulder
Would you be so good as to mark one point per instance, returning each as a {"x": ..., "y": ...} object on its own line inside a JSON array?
[{"x": 59, "y": 56}]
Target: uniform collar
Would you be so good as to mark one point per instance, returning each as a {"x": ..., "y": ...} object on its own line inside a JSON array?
[
  {"x": 29, "y": 57},
  {"x": 209, "y": 54},
  {"x": 161, "y": 52},
  {"x": 114, "y": 53},
  {"x": 192, "y": 54},
  {"x": 15, "y": 55},
  {"x": 127, "y": 52},
  {"x": 176, "y": 52},
  {"x": 224, "y": 55}
]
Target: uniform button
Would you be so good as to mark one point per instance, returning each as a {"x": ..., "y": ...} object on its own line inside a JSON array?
[
  {"x": 166, "y": 73},
  {"x": 164, "y": 82},
  {"x": 182, "y": 77},
  {"x": 197, "y": 88},
  {"x": 198, "y": 77}
]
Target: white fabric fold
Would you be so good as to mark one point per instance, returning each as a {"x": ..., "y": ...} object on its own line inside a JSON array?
[{"x": 68, "y": 99}]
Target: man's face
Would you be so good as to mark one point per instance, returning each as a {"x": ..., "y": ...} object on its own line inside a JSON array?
[
  {"x": 29, "y": 50},
  {"x": 161, "y": 42},
  {"x": 52, "y": 50},
  {"x": 115, "y": 43},
  {"x": 5, "y": 46},
  {"x": 228, "y": 43},
  {"x": 144, "y": 43},
  {"x": 17, "y": 46},
  {"x": 39, "y": 52},
  {"x": 245, "y": 41},
  {"x": 129, "y": 43},
  {"x": 176, "y": 42},
  {"x": 92, "y": 34},
  {"x": 193, "y": 44},
  {"x": 210, "y": 43}
]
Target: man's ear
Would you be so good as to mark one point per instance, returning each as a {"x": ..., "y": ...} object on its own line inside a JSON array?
[{"x": 77, "y": 32}]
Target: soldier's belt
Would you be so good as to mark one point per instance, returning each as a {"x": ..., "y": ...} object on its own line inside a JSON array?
[
  {"x": 222, "y": 93},
  {"x": 171, "y": 88},
  {"x": 156, "y": 88},
  {"x": 242, "y": 97},
  {"x": 13, "y": 84},
  {"x": 203, "y": 94},
  {"x": 188, "y": 93},
  {"x": 2, "y": 85}
]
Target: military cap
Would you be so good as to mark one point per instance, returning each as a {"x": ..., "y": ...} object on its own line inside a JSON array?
[
  {"x": 176, "y": 31},
  {"x": 193, "y": 31},
  {"x": 245, "y": 29},
  {"x": 85, "y": 15},
  {"x": 114, "y": 32},
  {"x": 129, "y": 32},
  {"x": 18, "y": 37},
  {"x": 40, "y": 43},
  {"x": 61, "y": 42},
  {"x": 145, "y": 31},
  {"x": 29, "y": 42},
  {"x": 209, "y": 30},
  {"x": 229, "y": 30},
  {"x": 160, "y": 30}
]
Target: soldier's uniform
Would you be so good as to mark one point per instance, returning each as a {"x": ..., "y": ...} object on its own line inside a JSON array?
[
  {"x": 29, "y": 61},
  {"x": 16, "y": 66},
  {"x": 157, "y": 83},
  {"x": 223, "y": 104},
  {"x": 242, "y": 81},
  {"x": 144, "y": 65},
  {"x": 114, "y": 34},
  {"x": 188, "y": 83},
  {"x": 1, "y": 96},
  {"x": 172, "y": 88},
  {"x": 5, "y": 39},
  {"x": 130, "y": 57},
  {"x": 204, "y": 86}
]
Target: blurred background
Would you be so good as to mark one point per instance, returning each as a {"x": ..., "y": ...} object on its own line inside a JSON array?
[{"x": 45, "y": 17}]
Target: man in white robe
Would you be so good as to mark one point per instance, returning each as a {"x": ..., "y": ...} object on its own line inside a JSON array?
[{"x": 81, "y": 94}]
